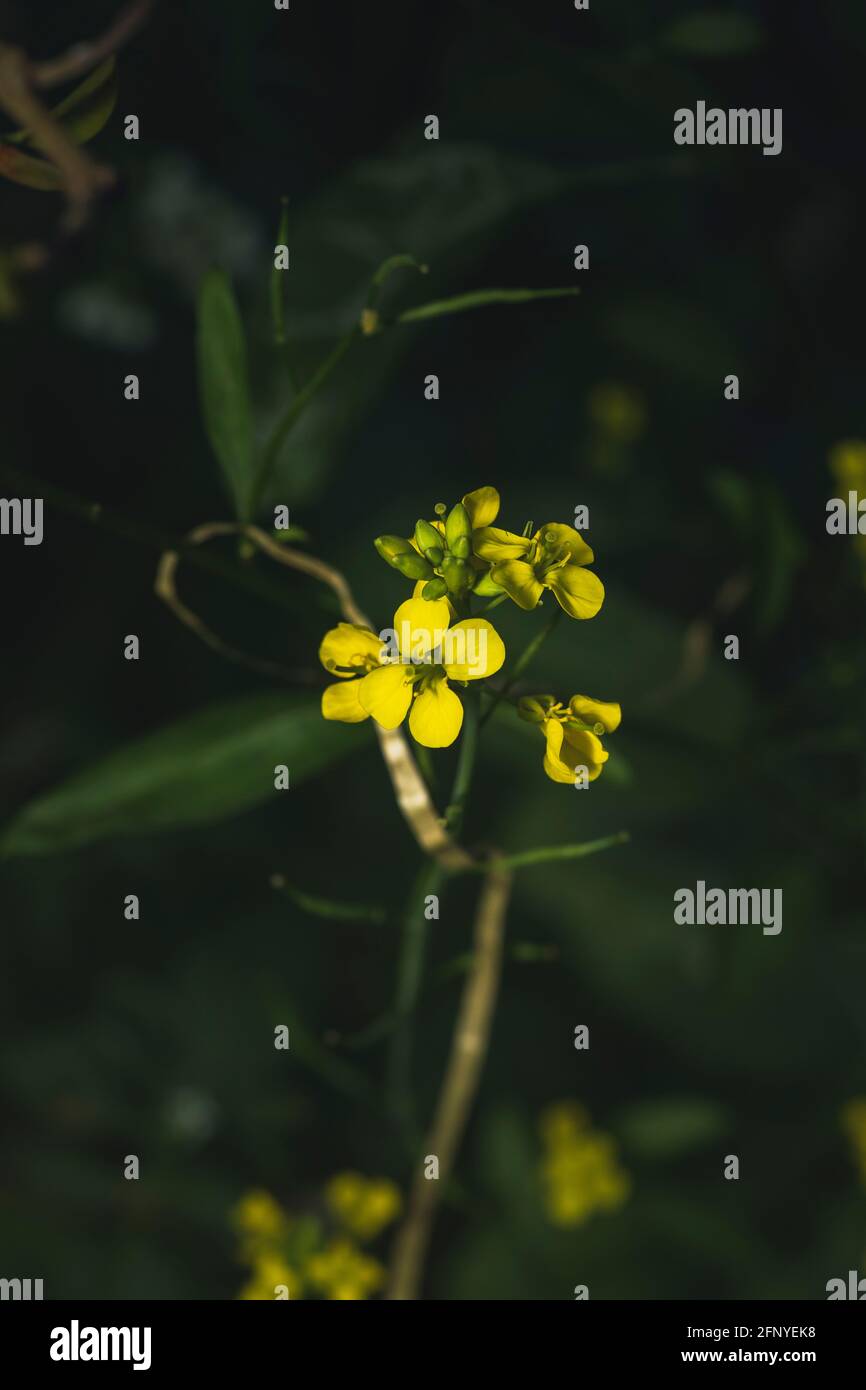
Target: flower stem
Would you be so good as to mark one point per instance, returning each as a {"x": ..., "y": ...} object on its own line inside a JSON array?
[
  {"x": 522, "y": 662},
  {"x": 430, "y": 880}
]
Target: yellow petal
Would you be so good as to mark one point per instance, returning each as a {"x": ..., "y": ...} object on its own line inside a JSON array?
[
  {"x": 596, "y": 711},
  {"x": 556, "y": 769},
  {"x": 421, "y": 625},
  {"x": 482, "y": 506},
  {"x": 343, "y": 702},
  {"x": 519, "y": 582},
  {"x": 437, "y": 716},
  {"x": 578, "y": 591},
  {"x": 472, "y": 650},
  {"x": 387, "y": 694},
  {"x": 348, "y": 650},
  {"x": 494, "y": 544},
  {"x": 560, "y": 535}
]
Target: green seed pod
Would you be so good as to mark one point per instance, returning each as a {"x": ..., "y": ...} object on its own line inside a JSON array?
[
  {"x": 456, "y": 573},
  {"x": 413, "y": 565},
  {"x": 457, "y": 525},
  {"x": 434, "y": 588},
  {"x": 462, "y": 548},
  {"x": 389, "y": 547}
]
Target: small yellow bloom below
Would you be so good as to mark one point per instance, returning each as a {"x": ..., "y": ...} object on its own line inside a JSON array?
[
  {"x": 343, "y": 1272},
  {"x": 272, "y": 1278},
  {"x": 571, "y": 733},
  {"x": 854, "y": 1124},
  {"x": 579, "y": 1170},
  {"x": 363, "y": 1206},
  {"x": 258, "y": 1214}
]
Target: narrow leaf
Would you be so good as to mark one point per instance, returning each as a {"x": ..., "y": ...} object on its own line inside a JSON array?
[
  {"x": 326, "y": 907},
  {"x": 224, "y": 385},
  {"x": 477, "y": 299},
  {"x": 203, "y": 769}
]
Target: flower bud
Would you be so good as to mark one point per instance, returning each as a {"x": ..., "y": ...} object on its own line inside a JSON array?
[
  {"x": 456, "y": 573},
  {"x": 534, "y": 708},
  {"x": 462, "y": 548},
  {"x": 434, "y": 588},
  {"x": 391, "y": 546},
  {"x": 413, "y": 565},
  {"x": 426, "y": 536},
  {"x": 457, "y": 526}
]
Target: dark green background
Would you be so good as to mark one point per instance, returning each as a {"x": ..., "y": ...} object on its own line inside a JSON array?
[{"x": 154, "y": 1037}]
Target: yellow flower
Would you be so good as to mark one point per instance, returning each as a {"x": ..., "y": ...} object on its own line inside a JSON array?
[
  {"x": 258, "y": 1214},
  {"x": 554, "y": 558},
  {"x": 579, "y": 1170},
  {"x": 572, "y": 733},
  {"x": 364, "y": 1206},
  {"x": 272, "y": 1278},
  {"x": 847, "y": 461},
  {"x": 854, "y": 1123},
  {"x": 344, "y": 1272},
  {"x": 408, "y": 669}
]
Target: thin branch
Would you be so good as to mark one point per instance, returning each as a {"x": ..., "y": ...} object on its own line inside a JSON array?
[
  {"x": 86, "y": 55},
  {"x": 468, "y": 1051}
]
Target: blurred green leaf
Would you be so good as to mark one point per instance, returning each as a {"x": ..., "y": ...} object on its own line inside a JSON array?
[
  {"x": 213, "y": 764},
  {"x": 477, "y": 299},
  {"x": 668, "y": 1128},
  {"x": 714, "y": 34},
  {"x": 224, "y": 385},
  {"x": 86, "y": 110}
]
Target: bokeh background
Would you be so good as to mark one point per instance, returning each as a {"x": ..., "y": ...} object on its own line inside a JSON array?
[{"x": 707, "y": 518}]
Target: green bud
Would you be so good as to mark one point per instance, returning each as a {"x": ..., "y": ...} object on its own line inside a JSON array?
[
  {"x": 462, "y": 548},
  {"x": 534, "y": 708},
  {"x": 426, "y": 536},
  {"x": 456, "y": 574},
  {"x": 435, "y": 554},
  {"x": 413, "y": 565},
  {"x": 434, "y": 588},
  {"x": 389, "y": 547},
  {"x": 457, "y": 525}
]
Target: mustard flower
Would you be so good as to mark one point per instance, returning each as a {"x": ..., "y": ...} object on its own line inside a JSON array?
[
  {"x": 407, "y": 671},
  {"x": 270, "y": 1275},
  {"x": 554, "y": 558},
  {"x": 343, "y": 1272},
  {"x": 260, "y": 1215},
  {"x": 579, "y": 1171},
  {"x": 364, "y": 1206},
  {"x": 571, "y": 733}
]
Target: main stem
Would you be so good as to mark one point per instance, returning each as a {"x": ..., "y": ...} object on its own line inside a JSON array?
[{"x": 429, "y": 883}]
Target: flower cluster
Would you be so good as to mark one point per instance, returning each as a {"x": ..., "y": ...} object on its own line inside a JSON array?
[
  {"x": 436, "y": 643},
  {"x": 297, "y": 1257},
  {"x": 847, "y": 462},
  {"x": 579, "y": 1170}
]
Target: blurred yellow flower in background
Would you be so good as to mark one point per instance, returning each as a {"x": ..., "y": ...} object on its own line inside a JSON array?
[
  {"x": 364, "y": 1206},
  {"x": 579, "y": 1171},
  {"x": 854, "y": 1124},
  {"x": 270, "y": 1277},
  {"x": 343, "y": 1272}
]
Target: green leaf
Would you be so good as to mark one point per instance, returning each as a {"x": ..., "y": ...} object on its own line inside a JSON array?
[
  {"x": 86, "y": 110},
  {"x": 224, "y": 385},
  {"x": 477, "y": 299},
  {"x": 714, "y": 34},
  {"x": 210, "y": 766}
]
